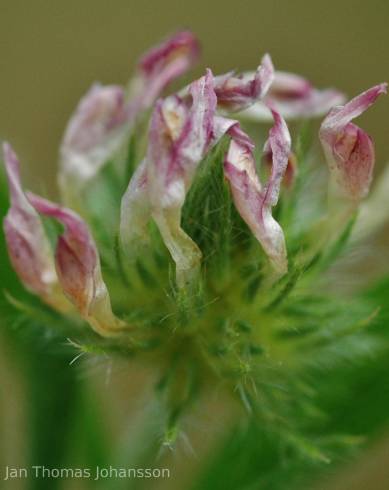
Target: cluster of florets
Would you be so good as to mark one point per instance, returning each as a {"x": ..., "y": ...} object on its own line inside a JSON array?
[{"x": 184, "y": 129}]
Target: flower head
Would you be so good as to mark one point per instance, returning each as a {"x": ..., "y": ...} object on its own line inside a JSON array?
[{"x": 348, "y": 149}]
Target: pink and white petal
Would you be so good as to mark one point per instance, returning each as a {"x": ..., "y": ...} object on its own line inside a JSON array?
[
  {"x": 236, "y": 93},
  {"x": 159, "y": 67},
  {"x": 289, "y": 86},
  {"x": 28, "y": 245},
  {"x": 353, "y": 161},
  {"x": 181, "y": 50},
  {"x": 184, "y": 251},
  {"x": 339, "y": 117},
  {"x": 239, "y": 169},
  {"x": 179, "y": 138},
  {"x": 95, "y": 132},
  {"x": 316, "y": 104},
  {"x": 348, "y": 149},
  {"x": 253, "y": 201},
  {"x": 78, "y": 268}
]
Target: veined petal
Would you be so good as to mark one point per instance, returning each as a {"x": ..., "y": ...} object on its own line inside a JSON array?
[
  {"x": 28, "y": 246},
  {"x": 160, "y": 66},
  {"x": 279, "y": 144},
  {"x": 254, "y": 201},
  {"x": 348, "y": 149},
  {"x": 235, "y": 93},
  {"x": 294, "y": 97},
  {"x": 182, "y": 130},
  {"x": 78, "y": 267},
  {"x": 95, "y": 132},
  {"x": 179, "y": 139},
  {"x": 291, "y": 169},
  {"x": 373, "y": 213}
]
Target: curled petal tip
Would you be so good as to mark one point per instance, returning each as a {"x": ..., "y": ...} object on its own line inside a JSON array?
[
  {"x": 236, "y": 93},
  {"x": 160, "y": 66},
  {"x": 348, "y": 149},
  {"x": 254, "y": 201},
  {"x": 183, "y": 44}
]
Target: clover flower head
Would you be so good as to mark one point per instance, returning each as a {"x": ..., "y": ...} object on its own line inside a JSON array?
[{"x": 174, "y": 243}]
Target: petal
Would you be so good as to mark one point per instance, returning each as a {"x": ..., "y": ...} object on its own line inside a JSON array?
[
  {"x": 291, "y": 170},
  {"x": 179, "y": 139},
  {"x": 289, "y": 86},
  {"x": 95, "y": 132},
  {"x": 28, "y": 246},
  {"x": 348, "y": 149},
  {"x": 237, "y": 93},
  {"x": 279, "y": 143},
  {"x": 135, "y": 212},
  {"x": 182, "y": 130},
  {"x": 78, "y": 267},
  {"x": 160, "y": 66},
  {"x": 294, "y": 97},
  {"x": 253, "y": 201},
  {"x": 373, "y": 213}
]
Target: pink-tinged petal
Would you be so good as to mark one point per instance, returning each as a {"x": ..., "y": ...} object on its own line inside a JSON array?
[
  {"x": 182, "y": 130},
  {"x": 160, "y": 66},
  {"x": 279, "y": 144},
  {"x": 179, "y": 140},
  {"x": 289, "y": 86},
  {"x": 294, "y": 97},
  {"x": 78, "y": 267},
  {"x": 28, "y": 246},
  {"x": 235, "y": 93},
  {"x": 96, "y": 130},
  {"x": 348, "y": 149},
  {"x": 291, "y": 169},
  {"x": 254, "y": 201}
]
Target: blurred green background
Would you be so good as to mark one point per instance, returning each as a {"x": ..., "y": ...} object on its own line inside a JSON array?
[{"x": 52, "y": 51}]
